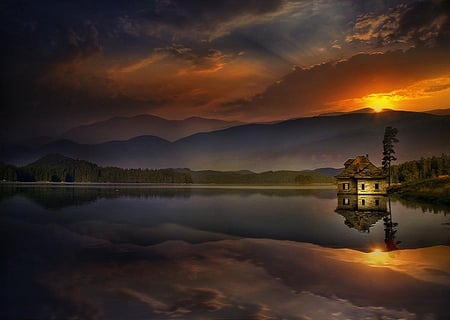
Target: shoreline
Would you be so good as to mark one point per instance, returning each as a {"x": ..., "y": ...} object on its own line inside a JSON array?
[{"x": 164, "y": 185}]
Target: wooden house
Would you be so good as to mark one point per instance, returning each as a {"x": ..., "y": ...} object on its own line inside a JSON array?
[{"x": 361, "y": 186}]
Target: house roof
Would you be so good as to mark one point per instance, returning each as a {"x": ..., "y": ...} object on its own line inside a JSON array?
[{"x": 360, "y": 167}]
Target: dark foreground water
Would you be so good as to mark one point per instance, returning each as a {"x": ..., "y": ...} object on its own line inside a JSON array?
[{"x": 213, "y": 253}]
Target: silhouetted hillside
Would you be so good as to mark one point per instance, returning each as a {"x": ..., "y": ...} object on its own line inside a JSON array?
[
  {"x": 297, "y": 144},
  {"x": 124, "y": 128}
]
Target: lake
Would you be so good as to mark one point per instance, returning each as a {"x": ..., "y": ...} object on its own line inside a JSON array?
[{"x": 119, "y": 252}]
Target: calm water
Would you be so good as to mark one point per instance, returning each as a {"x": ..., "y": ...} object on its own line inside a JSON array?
[{"x": 113, "y": 253}]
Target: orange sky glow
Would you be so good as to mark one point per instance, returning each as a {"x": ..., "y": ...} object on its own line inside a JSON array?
[{"x": 247, "y": 61}]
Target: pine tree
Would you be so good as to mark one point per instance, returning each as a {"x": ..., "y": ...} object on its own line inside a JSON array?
[{"x": 390, "y": 134}]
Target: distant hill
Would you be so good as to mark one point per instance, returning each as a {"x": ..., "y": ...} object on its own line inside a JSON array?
[
  {"x": 305, "y": 143},
  {"x": 439, "y": 112},
  {"x": 331, "y": 172},
  {"x": 124, "y": 128},
  {"x": 340, "y": 113},
  {"x": 57, "y": 168}
]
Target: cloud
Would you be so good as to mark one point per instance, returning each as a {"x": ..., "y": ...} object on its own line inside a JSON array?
[
  {"x": 69, "y": 63},
  {"x": 71, "y": 45},
  {"x": 211, "y": 19},
  {"x": 306, "y": 91},
  {"x": 411, "y": 24},
  {"x": 196, "y": 79}
]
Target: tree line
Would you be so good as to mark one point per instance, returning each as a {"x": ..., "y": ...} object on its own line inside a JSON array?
[
  {"x": 57, "y": 168},
  {"x": 418, "y": 170}
]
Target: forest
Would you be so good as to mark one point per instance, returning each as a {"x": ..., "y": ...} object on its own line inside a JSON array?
[
  {"x": 423, "y": 169},
  {"x": 58, "y": 168}
]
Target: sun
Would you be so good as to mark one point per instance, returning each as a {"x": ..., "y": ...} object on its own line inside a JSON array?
[{"x": 378, "y": 102}]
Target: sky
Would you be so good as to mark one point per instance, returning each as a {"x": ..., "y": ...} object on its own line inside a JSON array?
[{"x": 67, "y": 63}]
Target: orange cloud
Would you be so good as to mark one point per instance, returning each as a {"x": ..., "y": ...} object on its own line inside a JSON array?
[
  {"x": 420, "y": 96},
  {"x": 350, "y": 83},
  {"x": 190, "y": 83}
]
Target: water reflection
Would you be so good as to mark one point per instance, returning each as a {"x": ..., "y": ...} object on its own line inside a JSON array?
[
  {"x": 363, "y": 212},
  {"x": 216, "y": 254},
  {"x": 390, "y": 231},
  {"x": 147, "y": 216},
  {"x": 63, "y": 196}
]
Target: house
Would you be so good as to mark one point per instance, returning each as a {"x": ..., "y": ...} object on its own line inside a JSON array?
[{"x": 361, "y": 186}]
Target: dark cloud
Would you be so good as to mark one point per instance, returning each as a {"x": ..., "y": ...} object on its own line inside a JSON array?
[
  {"x": 414, "y": 23},
  {"x": 70, "y": 45},
  {"x": 204, "y": 13}
]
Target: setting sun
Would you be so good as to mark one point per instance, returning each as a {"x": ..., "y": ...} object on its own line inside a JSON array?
[{"x": 378, "y": 102}]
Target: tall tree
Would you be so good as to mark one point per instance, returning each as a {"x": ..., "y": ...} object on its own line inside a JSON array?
[{"x": 390, "y": 134}]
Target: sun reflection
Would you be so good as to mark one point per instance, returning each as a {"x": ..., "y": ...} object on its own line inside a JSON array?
[{"x": 377, "y": 257}]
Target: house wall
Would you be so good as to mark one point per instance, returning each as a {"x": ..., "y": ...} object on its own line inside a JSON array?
[
  {"x": 351, "y": 183},
  {"x": 369, "y": 186}
]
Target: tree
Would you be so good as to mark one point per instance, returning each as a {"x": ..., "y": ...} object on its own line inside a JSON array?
[{"x": 390, "y": 134}]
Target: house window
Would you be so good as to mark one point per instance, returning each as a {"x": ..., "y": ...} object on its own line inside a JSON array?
[
  {"x": 346, "y": 186},
  {"x": 377, "y": 186},
  {"x": 377, "y": 202},
  {"x": 363, "y": 202},
  {"x": 346, "y": 201},
  {"x": 362, "y": 186}
]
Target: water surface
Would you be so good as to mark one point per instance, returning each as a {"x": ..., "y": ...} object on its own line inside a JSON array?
[{"x": 157, "y": 253}]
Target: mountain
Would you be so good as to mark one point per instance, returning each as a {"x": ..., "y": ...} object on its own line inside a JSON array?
[
  {"x": 124, "y": 128},
  {"x": 363, "y": 110},
  {"x": 439, "y": 112},
  {"x": 331, "y": 172},
  {"x": 297, "y": 144}
]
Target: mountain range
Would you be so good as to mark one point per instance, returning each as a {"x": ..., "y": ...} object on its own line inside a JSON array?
[
  {"x": 297, "y": 144},
  {"x": 124, "y": 128}
]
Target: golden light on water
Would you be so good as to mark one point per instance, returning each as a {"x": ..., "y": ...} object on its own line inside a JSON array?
[{"x": 377, "y": 257}]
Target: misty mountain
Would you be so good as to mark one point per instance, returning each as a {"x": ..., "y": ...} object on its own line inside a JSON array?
[
  {"x": 298, "y": 144},
  {"x": 124, "y": 128}
]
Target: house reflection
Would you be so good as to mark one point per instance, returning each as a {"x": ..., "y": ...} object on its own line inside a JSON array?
[
  {"x": 366, "y": 203},
  {"x": 363, "y": 212}
]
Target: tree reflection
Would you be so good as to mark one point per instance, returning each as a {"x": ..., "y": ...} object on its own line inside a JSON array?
[
  {"x": 362, "y": 213},
  {"x": 390, "y": 230}
]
